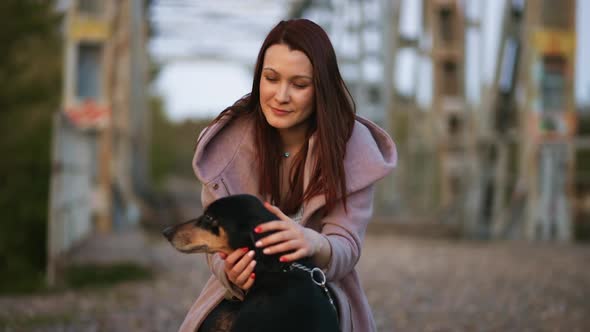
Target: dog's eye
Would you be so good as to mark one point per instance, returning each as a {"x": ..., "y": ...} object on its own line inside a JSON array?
[{"x": 209, "y": 221}]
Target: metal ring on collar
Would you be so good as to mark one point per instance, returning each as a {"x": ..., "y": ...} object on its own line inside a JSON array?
[{"x": 322, "y": 280}]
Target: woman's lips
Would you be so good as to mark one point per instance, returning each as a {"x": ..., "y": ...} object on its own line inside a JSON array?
[{"x": 279, "y": 112}]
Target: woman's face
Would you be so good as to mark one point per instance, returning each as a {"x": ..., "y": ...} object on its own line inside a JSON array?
[{"x": 286, "y": 88}]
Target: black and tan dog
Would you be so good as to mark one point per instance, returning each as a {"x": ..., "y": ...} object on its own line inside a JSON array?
[{"x": 284, "y": 296}]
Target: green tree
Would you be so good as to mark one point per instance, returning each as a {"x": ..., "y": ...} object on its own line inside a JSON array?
[
  {"x": 162, "y": 148},
  {"x": 30, "y": 72},
  {"x": 173, "y": 143}
]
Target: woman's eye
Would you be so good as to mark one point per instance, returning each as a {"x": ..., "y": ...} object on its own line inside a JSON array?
[
  {"x": 271, "y": 79},
  {"x": 300, "y": 86}
]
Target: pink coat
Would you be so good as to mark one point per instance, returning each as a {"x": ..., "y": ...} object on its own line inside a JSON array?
[{"x": 225, "y": 161}]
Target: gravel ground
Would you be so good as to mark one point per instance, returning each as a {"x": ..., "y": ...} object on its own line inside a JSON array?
[
  {"x": 413, "y": 284},
  {"x": 439, "y": 285}
]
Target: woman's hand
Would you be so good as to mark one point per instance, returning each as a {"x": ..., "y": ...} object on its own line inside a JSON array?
[
  {"x": 239, "y": 267},
  {"x": 289, "y": 236}
]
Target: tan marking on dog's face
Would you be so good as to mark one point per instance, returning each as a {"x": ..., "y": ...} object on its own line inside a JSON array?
[{"x": 191, "y": 239}]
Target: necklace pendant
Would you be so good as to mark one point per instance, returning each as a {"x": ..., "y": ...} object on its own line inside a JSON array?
[{"x": 286, "y": 154}]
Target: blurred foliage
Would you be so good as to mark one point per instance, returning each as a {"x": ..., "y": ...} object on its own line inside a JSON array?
[
  {"x": 584, "y": 122},
  {"x": 582, "y": 227},
  {"x": 104, "y": 275},
  {"x": 30, "y": 69},
  {"x": 173, "y": 144},
  {"x": 82, "y": 276}
]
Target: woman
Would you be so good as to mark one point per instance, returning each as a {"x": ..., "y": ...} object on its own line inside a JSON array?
[{"x": 295, "y": 141}]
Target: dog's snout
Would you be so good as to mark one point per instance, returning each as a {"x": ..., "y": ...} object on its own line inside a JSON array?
[{"x": 168, "y": 232}]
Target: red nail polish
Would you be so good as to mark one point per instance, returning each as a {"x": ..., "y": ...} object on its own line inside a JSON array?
[
  {"x": 258, "y": 229},
  {"x": 252, "y": 275},
  {"x": 283, "y": 259},
  {"x": 245, "y": 249}
]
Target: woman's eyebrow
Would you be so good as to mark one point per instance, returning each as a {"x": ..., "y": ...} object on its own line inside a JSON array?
[{"x": 294, "y": 77}]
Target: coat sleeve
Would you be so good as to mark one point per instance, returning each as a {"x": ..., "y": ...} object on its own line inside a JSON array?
[
  {"x": 216, "y": 264},
  {"x": 345, "y": 231}
]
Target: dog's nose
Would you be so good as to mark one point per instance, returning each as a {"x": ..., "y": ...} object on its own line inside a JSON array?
[{"x": 168, "y": 232}]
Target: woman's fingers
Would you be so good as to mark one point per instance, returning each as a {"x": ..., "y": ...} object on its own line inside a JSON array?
[
  {"x": 288, "y": 236},
  {"x": 294, "y": 239},
  {"x": 273, "y": 226},
  {"x": 245, "y": 274},
  {"x": 232, "y": 258},
  {"x": 242, "y": 264},
  {"x": 239, "y": 267},
  {"x": 299, "y": 254},
  {"x": 249, "y": 282},
  {"x": 280, "y": 236},
  {"x": 276, "y": 211},
  {"x": 283, "y": 247}
]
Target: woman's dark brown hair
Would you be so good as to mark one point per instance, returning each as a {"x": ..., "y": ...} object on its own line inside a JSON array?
[{"x": 331, "y": 121}]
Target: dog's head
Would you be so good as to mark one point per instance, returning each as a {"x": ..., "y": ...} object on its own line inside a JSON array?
[{"x": 227, "y": 224}]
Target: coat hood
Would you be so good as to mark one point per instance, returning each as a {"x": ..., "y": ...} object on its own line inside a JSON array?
[
  {"x": 228, "y": 147},
  {"x": 370, "y": 155}
]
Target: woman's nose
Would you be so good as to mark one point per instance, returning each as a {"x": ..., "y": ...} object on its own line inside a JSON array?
[{"x": 282, "y": 93}]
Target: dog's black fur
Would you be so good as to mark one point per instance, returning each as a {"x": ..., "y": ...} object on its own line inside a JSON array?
[{"x": 278, "y": 300}]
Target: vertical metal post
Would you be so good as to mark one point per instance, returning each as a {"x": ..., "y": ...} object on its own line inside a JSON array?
[
  {"x": 551, "y": 116},
  {"x": 51, "y": 216},
  {"x": 390, "y": 9}
]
